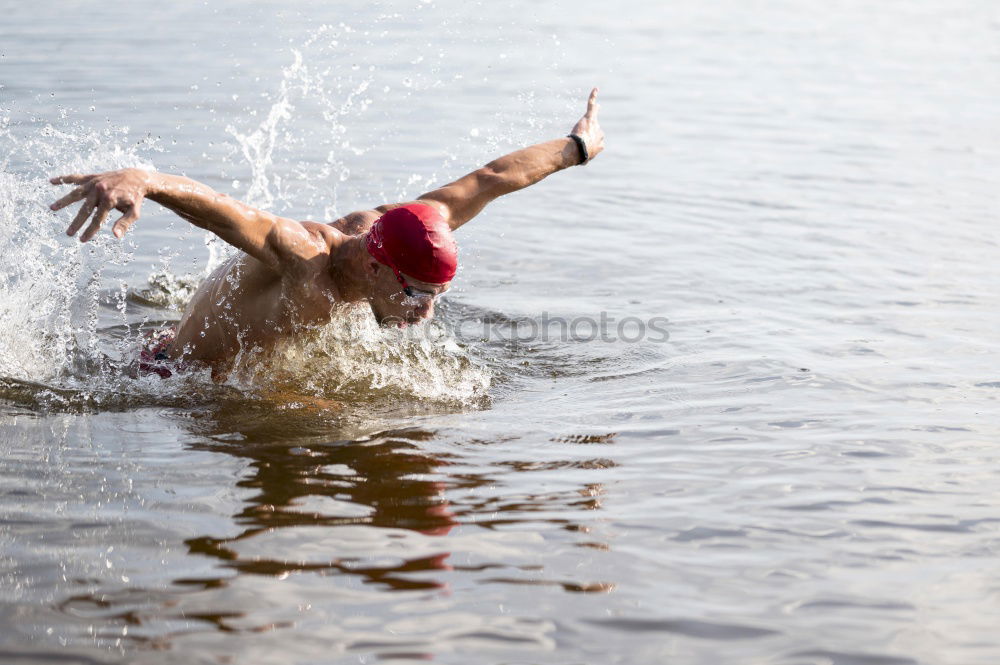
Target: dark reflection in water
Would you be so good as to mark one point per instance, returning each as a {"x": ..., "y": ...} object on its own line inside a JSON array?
[
  {"x": 376, "y": 481},
  {"x": 385, "y": 512}
]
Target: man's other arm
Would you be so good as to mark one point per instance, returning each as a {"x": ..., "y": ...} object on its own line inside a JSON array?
[
  {"x": 466, "y": 197},
  {"x": 277, "y": 242}
]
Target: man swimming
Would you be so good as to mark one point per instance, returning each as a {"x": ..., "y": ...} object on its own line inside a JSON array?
[{"x": 291, "y": 275}]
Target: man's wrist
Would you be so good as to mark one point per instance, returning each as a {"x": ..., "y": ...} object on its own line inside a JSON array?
[
  {"x": 160, "y": 187},
  {"x": 581, "y": 147},
  {"x": 151, "y": 183}
]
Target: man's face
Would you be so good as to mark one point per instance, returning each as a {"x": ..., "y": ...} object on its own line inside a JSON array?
[{"x": 392, "y": 306}]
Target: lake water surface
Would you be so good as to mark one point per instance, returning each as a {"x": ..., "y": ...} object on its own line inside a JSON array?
[{"x": 759, "y": 426}]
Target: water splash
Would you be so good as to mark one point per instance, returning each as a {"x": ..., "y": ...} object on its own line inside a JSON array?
[
  {"x": 354, "y": 359},
  {"x": 50, "y": 286},
  {"x": 34, "y": 334}
]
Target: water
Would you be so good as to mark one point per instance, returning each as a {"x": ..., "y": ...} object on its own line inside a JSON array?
[{"x": 803, "y": 472}]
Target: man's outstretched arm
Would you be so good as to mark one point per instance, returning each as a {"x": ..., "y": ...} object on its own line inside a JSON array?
[
  {"x": 276, "y": 241},
  {"x": 466, "y": 197}
]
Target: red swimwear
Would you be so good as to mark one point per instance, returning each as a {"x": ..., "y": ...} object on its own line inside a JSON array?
[{"x": 154, "y": 357}]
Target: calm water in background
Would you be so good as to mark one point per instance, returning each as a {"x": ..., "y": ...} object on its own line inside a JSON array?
[{"x": 806, "y": 472}]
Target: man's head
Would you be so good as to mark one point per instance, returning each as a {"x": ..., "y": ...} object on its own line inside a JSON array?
[{"x": 414, "y": 260}]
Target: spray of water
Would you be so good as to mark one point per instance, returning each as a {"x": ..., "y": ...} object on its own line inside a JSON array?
[
  {"x": 353, "y": 356},
  {"x": 50, "y": 288}
]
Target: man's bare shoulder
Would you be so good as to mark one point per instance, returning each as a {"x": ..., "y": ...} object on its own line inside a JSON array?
[
  {"x": 328, "y": 233},
  {"x": 362, "y": 220},
  {"x": 355, "y": 222}
]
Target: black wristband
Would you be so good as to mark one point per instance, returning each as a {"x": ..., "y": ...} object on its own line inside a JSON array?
[{"x": 584, "y": 155}]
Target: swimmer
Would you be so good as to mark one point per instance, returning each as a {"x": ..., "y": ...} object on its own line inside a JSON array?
[{"x": 398, "y": 257}]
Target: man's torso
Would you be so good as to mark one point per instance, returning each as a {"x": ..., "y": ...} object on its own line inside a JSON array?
[{"x": 245, "y": 306}]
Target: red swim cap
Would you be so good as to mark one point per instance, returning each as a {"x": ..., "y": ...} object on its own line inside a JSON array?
[{"x": 414, "y": 239}]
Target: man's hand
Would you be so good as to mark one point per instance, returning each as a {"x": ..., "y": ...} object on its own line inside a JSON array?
[
  {"x": 120, "y": 190},
  {"x": 588, "y": 128}
]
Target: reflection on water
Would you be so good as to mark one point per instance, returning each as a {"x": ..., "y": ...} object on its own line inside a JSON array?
[
  {"x": 403, "y": 510},
  {"x": 375, "y": 482}
]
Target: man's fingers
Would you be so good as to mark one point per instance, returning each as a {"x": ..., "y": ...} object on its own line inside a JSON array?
[
  {"x": 95, "y": 225},
  {"x": 72, "y": 197},
  {"x": 125, "y": 222},
  {"x": 592, "y": 106},
  {"x": 72, "y": 179},
  {"x": 83, "y": 214}
]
